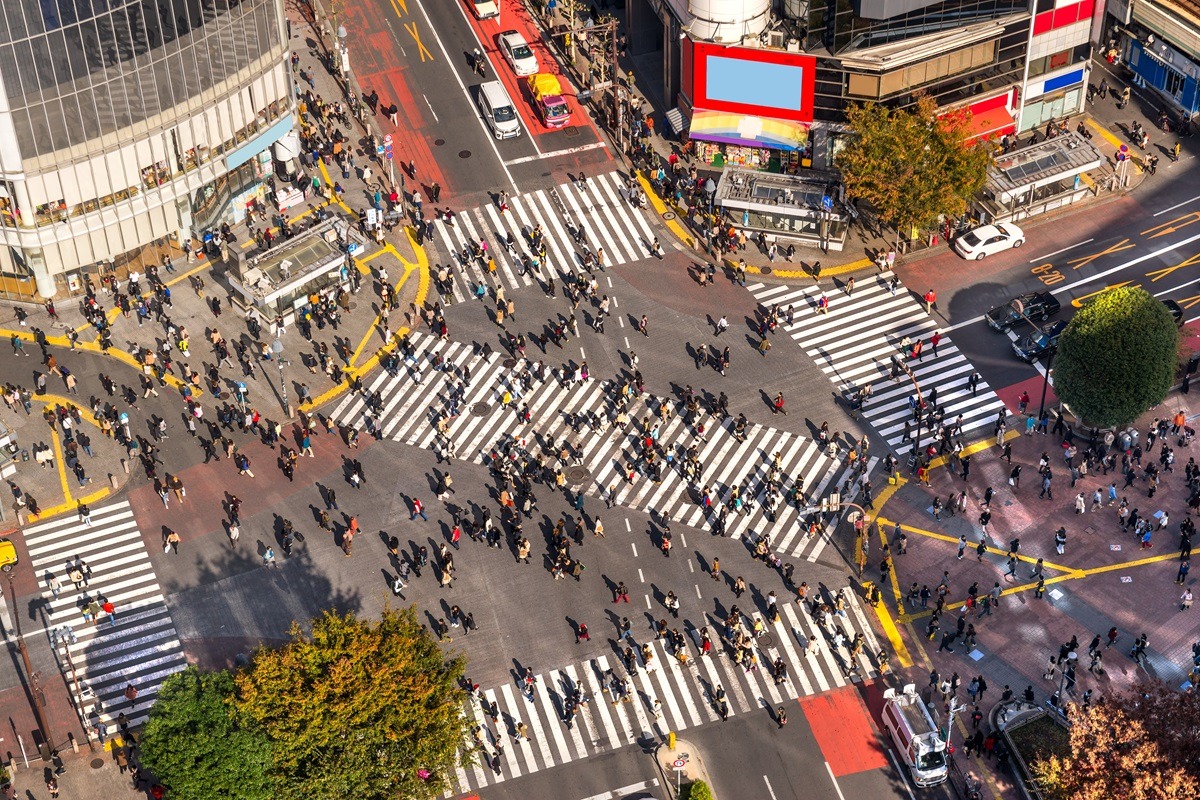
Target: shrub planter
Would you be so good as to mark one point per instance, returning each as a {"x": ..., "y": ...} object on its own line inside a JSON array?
[{"x": 1034, "y": 734}]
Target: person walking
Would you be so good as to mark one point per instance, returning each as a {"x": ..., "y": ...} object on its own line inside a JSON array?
[{"x": 418, "y": 509}]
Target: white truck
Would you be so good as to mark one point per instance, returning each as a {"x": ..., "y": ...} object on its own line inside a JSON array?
[{"x": 916, "y": 736}]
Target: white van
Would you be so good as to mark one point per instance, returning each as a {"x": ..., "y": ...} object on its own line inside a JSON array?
[
  {"x": 498, "y": 110},
  {"x": 915, "y": 735}
]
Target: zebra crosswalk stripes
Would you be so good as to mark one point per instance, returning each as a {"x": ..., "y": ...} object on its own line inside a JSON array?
[
  {"x": 854, "y": 343},
  {"x": 597, "y": 209},
  {"x": 416, "y": 397},
  {"x": 665, "y": 695},
  {"x": 142, "y": 646}
]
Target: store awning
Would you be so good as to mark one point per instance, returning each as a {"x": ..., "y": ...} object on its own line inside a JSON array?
[
  {"x": 993, "y": 122},
  {"x": 748, "y": 131}
]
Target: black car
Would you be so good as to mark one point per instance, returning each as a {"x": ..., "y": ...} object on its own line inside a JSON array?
[
  {"x": 1176, "y": 312},
  {"x": 1037, "y": 305},
  {"x": 1039, "y": 343}
]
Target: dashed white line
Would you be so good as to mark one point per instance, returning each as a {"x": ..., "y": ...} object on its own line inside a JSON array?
[
  {"x": 641, "y": 577},
  {"x": 770, "y": 791},
  {"x": 1065, "y": 249},
  {"x": 634, "y": 546}
]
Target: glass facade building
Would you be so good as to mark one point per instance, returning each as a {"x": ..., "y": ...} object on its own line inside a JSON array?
[{"x": 126, "y": 124}]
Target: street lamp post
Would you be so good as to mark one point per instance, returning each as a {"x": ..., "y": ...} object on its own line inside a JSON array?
[
  {"x": 343, "y": 53},
  {"x": 39, "y": 709},
  {"x": 277, "y": 349}
]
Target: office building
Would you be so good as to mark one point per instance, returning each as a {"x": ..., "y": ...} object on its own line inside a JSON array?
[
  {"x": 765, "y": 83},
  {"x": 128, "y": 124}
]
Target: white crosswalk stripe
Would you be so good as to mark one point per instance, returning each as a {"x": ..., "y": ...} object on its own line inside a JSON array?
[
  {"x": 410, "y": 411},
  {"x": 686, "y": 694},
  {"x": 610, "y": 224},
  {"x": 854, "y": 343},
  {"x": 142, "y": 647}
]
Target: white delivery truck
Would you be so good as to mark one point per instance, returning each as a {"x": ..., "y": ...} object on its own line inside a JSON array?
[{"x": 916, "y": 736}]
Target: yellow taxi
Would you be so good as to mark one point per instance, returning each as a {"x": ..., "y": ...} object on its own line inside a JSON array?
[{"x": 8, "y": 555}]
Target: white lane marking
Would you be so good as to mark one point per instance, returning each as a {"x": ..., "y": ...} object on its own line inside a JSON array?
[
  {"x": 835, "y": 783},
  {"x": 555, "y": 153},
  {"x": 1177, "y": 205},
  {"x": 903, "y": 773},
  {"x": 1168, "y": 248},
  {"x": 770, "y": 791},
  {"x": 1065, "y": 249},
  {"x": 445, "y": 54}
]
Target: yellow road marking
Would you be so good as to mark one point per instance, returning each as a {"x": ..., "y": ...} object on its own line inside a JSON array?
[
  {"x": 1083, "y": 261},
  {"x": 411, "y": 27},
  {"x": 92, "y": 347},
  {"x": 1171, "y": 227},
  {"x": 1105, "y": 133},
  {"x": 422, "y": 268},
  {"x": 1157, "y": 274},
  {"x": 371, "y": 331},
  {"x": 893, "y": 635},
  {"x": 62, "y": 467},
  {"x": 398, "y": 5},
  {"x": 1074, "y": 572},
  {"x": 660, "y": 207},
  {"x": 974, "y": 447},
  {"x": 1081, "y": 301}
]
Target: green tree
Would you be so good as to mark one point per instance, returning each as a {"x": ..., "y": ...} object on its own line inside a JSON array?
[
  {"x": 1117, "y": 357},
  {"x": 359, "y": 709},
  {"x": 699, "y": 790},
  {"x": 199, "y": 745},
  {"x": 910, "y": 164},
  {"x": 1134, "y": 744}
]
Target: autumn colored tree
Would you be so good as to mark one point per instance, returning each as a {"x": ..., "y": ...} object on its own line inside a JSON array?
[
  {"x": 359, "y": 709},
  {"x": 197, "y": 743},
  {"x": 912, "y": 165},
  {"x": 1136, "y": 744}
]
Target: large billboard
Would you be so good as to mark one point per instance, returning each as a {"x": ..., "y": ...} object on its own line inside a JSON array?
[{"x": 753, "y": 81}]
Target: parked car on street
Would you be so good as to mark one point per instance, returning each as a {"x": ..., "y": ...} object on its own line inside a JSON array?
[
  {"x": 517, "y": 53},
  {"x": 988, "y": 240}
]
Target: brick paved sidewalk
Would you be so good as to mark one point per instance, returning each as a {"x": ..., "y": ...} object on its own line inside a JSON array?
[{"x": 1103, "y": 579}]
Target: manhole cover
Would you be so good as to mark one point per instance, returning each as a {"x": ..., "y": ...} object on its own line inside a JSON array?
[
  {"x": 439, "y": 142},
  {"x": 668, "y": 215},
  {"x": 765, "y": 270},
  {"x": 96, "y": 763},
  {"x": 1089, "y": 529},
  {"x": 464, "y": 153},
  {"x": 571, "y": 131},
  {"x": 353, "y": 306},
  {"x": 578, "y": 474},
  {"x": 480, "y": 408},
  {"x": 223, "y": 395},
  {"x": 509, "y": 363},
  {"x": 766, "y": 641}
]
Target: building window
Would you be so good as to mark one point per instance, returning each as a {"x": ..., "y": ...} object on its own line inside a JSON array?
[{"x": 1174, "y": 83}]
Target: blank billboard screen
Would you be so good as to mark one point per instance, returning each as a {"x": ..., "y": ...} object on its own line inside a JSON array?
[{"x": 755, "y": 83}]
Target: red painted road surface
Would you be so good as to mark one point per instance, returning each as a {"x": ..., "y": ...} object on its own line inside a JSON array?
[{"x": 842, "y": 727}]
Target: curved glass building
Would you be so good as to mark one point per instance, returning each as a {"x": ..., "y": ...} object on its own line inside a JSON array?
[{"x": 127, "y": 124}]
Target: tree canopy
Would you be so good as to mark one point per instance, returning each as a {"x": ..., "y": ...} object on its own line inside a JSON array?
[
  {"x": 1143, "y": 743},
  {"x": 1117, "y": 357},
  {"x": 200, "y": 746},
  {"x": 910, "y": 164},
  {"x": 359, "y": 709}
]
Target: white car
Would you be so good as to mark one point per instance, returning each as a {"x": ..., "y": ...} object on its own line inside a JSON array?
[
  {"x": 485, "y": 9},
  {"x": 516, "y": 51},
  {"x": 987, "y": 240}
]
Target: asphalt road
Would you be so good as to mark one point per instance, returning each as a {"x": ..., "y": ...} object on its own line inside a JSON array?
[
  {"x": 420, "y": 56},
  {"x": 1150, "y": 239}
]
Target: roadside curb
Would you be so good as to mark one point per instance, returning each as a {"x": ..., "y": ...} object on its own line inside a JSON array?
[{"x": 693, "y": 767}]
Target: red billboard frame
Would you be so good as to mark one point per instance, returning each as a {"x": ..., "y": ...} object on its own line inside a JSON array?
[{"x": 699, "y": 55}]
